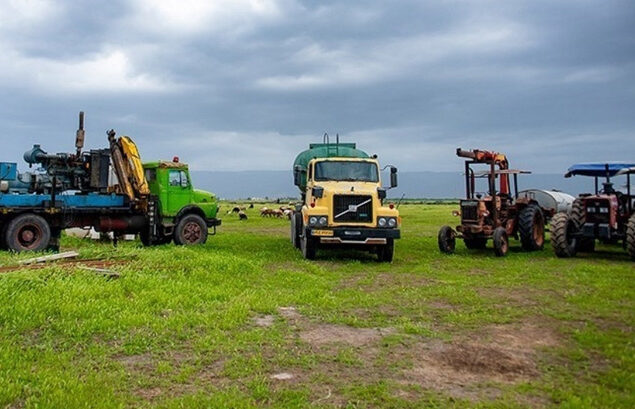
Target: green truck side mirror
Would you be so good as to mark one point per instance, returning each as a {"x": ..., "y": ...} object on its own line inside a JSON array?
[{"x": 393, "y": 177}]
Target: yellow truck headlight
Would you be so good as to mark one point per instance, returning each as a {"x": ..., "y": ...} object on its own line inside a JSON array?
[
  {"x": 392, "y": 222},
  {"x": 382, "y": 222},
  {"x": 318, "y": 221}
]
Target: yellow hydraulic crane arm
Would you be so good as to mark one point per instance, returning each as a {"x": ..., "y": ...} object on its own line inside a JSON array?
[
  {"x": 136, "y": 174},
  {"x": 129, "y": 169}
]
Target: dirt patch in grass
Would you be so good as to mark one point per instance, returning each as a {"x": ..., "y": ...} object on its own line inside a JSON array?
[
  {"x": 384, "y": 281},
  {"x": 143, "y": 363}
]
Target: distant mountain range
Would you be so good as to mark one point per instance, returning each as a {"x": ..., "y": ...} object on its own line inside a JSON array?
[{"x": 419, "y": 185}]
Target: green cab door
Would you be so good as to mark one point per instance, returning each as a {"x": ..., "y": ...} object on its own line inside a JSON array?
[{"x": 179, "y": 191}]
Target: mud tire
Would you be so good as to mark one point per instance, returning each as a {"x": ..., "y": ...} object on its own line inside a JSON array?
[
  {"x": 308, "y": 247},
  {"x": 296, "y": 229},
  {"x": 501, "y": 242},
  {"x": 28, "y": 232},
  {"x": 531, "y": 227},
  {"x": 562, "y": 227},
  {"x": 386, "y": 253},
  {"x": 190, "y": 230},
  {"x": 446, "y": 240}
]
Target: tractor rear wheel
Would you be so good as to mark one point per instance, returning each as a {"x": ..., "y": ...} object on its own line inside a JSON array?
[
  {"x": 563, "y": 241},
  {"x": 308, "y": 247},
  {"x": 296, "y": 229},
  {"x": 584, "y": 244},
  {"x": 191, "y": 229},
  {"x": 447, "y": 240},
  {"x": 475, "y": 243},
  {"x": 28, "y": 232},
  {"x": 531, "y": 226},
  {"x": 386, "y": 252},
  {"x": 630, "y": 237},
  {"x": 501, "y": 242}
]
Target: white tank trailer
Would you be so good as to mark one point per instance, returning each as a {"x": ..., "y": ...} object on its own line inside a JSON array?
[{"x": 551, "y": 201}]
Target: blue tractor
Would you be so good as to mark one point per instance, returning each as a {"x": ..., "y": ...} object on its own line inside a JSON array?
[{"x": 608, "y": 215}]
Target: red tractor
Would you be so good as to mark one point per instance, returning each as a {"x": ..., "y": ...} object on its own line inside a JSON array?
[
  {"x": 607, "y": 215},
  {"x": 494, "y": 214}
]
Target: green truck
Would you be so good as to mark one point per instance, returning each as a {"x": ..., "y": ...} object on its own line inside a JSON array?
[{"x": 185, "y": 213}]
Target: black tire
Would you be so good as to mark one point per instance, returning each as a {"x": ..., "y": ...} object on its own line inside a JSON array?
[
  {"x": 475, "y": 243},
  {"x": 3, "y": 235},
  {"x": 562, "y": 228},
  {"x": 446, "y": 240},
  {"x": 386, "y": 253},
  {"x": 583, "y": 244},
  {"x": 190, "y": 230},
  {"x": 630, "y": 237},
  {"x": 308, "y": 247},
  {"x": 296, "y": 229},
  {"x": 531, "y": 227},
  {"x": 501, "y": 242},
  {"x": 28, "y": 232}
]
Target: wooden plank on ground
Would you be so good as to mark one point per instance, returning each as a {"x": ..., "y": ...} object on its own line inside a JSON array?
[{"x": 52, "y": 257}]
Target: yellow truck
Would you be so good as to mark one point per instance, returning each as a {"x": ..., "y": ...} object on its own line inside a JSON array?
[{"x": 343, "y": 202}]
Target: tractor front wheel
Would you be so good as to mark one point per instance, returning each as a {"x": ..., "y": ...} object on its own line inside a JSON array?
[
  {"x": 501, "y": 242},
  {"x": 531, "y": 226},
  {"x": 563, "y": 240},
  {"x": 447, "y": 240},
  {"x": 191, "y": 229},
  {"x": 28, "y": 232},
  {"x": 630, "y": 237}
]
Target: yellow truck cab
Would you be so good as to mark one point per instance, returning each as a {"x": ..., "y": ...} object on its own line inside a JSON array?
[{"x": 343, "y": 202}]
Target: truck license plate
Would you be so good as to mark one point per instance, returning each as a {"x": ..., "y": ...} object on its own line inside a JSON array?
[{"x": 322, "y": 232}]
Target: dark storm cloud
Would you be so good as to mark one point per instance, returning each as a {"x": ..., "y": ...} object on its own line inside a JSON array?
[{"x": 245, "y": 84}]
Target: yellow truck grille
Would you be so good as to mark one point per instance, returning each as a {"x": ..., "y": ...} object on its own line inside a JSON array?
[{"x": 352, "y": 208}]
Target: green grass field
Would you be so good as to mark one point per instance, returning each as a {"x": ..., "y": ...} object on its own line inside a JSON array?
[{"x": 217, "y": 326}]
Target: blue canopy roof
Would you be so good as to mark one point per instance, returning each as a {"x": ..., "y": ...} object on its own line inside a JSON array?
[{"x": 598, "y": 169}]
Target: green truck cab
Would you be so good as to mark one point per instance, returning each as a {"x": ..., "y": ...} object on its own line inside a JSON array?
[{"x": 185, "y": 214}]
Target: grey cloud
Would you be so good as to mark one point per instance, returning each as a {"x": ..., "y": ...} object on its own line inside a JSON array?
[{"x": 548, "y": 82}]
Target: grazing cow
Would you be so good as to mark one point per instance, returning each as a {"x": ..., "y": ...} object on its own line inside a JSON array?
[{"x": 242, "y": 215}]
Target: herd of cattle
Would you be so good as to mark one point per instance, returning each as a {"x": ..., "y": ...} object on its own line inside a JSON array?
[{"x": 281, "y": 212}]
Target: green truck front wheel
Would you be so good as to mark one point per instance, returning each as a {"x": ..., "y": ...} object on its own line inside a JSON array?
[{"x": 190, "y": 230}]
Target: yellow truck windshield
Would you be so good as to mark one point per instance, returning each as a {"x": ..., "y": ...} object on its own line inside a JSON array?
[{"x": 346, "y": 171}]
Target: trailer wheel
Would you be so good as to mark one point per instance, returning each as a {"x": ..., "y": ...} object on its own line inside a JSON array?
[
  {"x": 308, "y": 247},
  {"x": 531, "y": 226},
  {"x": 190, "y": 230},
  {"x": 501, "y": 242},
  {"x": 386, "y": 253},
  {"x": 447, "y": 240},
  {"x": 296, "y": 229},
  {"x": 630, "y": 237},
  {"x": 563, "y": 227},
  {"x": 28, "y": 232},
  {"x": 475, "y": 243}
]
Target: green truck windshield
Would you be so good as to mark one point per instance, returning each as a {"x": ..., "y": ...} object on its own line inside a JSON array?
[{"x": 346, "y": 171}]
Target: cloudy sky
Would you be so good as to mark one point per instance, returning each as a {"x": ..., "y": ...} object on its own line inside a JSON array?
[{"x": 246, "y": 84}]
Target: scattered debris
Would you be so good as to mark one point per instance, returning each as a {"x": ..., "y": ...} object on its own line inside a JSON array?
[
  {"x": 283, "y": 376},
  {"x": 52, "y": 257},
  {"x": 264, "y": 321}
]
